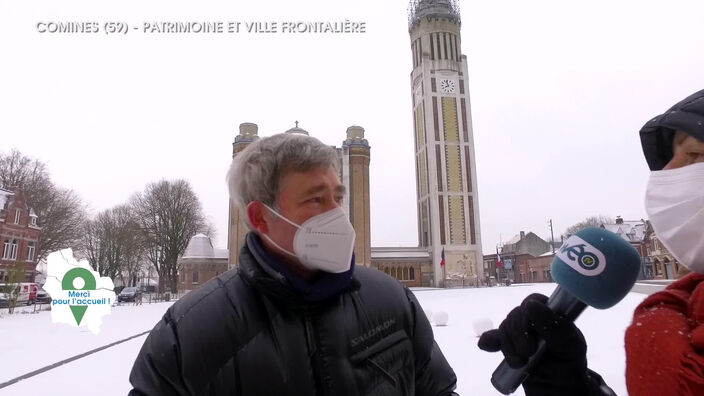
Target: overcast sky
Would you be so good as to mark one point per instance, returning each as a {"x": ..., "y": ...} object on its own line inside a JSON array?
[{"x": 558, "y": 94}]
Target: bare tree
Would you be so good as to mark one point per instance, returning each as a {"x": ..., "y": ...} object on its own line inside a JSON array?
[
  {"x": 61, "y": 220},
  {"x": 169, "y": 214},
  {"x": 133, "y": 248},
  {"x": 592, "y": 221},
  {"x": 112, "y": 243},
  {"x": 91, "y": 244},
  {"x": 60, "y": 211},
  {"x": 17, "y": 170},
  {"x": 14, "y": 275}
]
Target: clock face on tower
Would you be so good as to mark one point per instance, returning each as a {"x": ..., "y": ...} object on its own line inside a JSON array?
[{"x": 447, "y": 86}]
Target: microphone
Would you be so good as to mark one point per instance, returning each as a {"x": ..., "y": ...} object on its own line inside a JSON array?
[{"x": 593, "y": 267}]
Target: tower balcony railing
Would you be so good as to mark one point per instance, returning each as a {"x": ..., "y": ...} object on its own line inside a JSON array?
[{"x": 432, "y": 8}]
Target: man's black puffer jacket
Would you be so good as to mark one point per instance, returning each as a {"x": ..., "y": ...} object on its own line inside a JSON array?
[{"x": 246, "y": 332}]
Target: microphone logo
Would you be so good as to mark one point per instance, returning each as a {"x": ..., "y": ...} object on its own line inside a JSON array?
[{"x": 582, "y": 256}]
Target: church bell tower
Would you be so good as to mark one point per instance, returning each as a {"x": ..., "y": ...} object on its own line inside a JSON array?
[{"x": 446, "y": 179}]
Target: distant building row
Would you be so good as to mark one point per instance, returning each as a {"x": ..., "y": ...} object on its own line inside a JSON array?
[{"x": 526, "y": 258}]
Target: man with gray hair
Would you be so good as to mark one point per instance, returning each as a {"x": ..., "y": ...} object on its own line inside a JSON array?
[{"x": 296, "y": 317}]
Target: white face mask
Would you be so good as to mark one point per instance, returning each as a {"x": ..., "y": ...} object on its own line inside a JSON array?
[
  {"x": 324, "y": 242},
  {"x": 674, "y": 202}
]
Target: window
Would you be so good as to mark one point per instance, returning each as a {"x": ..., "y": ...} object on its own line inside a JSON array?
[
  {"x": 534, "y": 275},
  {"x": 33, "y": 221},
  {"x": 412, "y": 273},
  {"x": 195, "y": 276},
  {"x": 457, "y": 50},
  {"x": 13, "y": 249},
  {"x": 444, "y": 44},
  {"x": 405, "y": 273},
  {"x": 437, "y": 39},
  {"x": 6, "y": 249},
  {"x": 17, "y": 216},
  {"x": 388, "y": 272},
  {"x": 30, "y": 251},
  {"x": 432, "y": 47},
  {"x": 420, "y": 50}
]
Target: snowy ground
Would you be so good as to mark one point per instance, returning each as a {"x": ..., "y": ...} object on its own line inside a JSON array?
[{"x": 31, "y": 341}]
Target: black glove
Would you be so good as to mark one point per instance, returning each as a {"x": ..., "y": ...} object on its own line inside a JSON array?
[{"x": 562, "y": 370}]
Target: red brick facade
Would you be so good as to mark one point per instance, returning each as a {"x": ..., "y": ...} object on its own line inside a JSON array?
[
  {"x": 521, "y": 270},
  {"x": 539, "y": 269},
  {"x": 19, "y": 234}
]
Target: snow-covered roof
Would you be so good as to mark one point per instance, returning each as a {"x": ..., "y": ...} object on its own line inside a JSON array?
[
  {"x": 513, "y": 240},
  {"x": 631, "y": 231},
  {"x": 5, "y": 196},
  {"x": 222, "y": 253},
  {"x": 199, "y": 246}
]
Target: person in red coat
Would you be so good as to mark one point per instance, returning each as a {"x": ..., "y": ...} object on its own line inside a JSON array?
[{"x": 665, "y": 341}]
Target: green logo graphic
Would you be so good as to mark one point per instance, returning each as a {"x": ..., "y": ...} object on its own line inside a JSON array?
[{"x": 67, "y": 283}]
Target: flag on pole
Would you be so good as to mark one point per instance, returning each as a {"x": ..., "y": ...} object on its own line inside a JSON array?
[
  {"x": 442, "y": 262},
  {"x": 499, "y": 263}
]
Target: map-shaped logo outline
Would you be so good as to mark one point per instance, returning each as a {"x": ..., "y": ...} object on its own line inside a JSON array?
[{"x": 77, "y": 306}]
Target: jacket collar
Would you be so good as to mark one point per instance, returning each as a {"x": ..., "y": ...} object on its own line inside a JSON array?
[{"x": 272, "y": 277}]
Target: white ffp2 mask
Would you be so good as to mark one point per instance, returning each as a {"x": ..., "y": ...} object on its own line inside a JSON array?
[
  {"x": 324, "y": 242},
  {"x": 674, "y": 202}
]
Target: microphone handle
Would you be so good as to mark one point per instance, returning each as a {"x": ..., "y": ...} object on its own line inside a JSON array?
[{"x": 506, "y": 379}]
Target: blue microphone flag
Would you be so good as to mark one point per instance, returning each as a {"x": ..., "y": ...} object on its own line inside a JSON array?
[{"x": 596, "y": 266}]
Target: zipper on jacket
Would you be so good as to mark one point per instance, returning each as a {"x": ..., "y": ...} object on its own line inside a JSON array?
[
  {"x": 310, "y": 338},
  {"x": 313, "y": 353}
]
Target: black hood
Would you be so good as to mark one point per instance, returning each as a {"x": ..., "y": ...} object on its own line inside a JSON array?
[{"x": 657, "y": 134}]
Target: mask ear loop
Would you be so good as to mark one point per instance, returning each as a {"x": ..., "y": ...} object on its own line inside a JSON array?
[
  {"x": 281, "y": 216},
  {"x": 271, "y": 240},
  {"x": 279, "y": 247}
]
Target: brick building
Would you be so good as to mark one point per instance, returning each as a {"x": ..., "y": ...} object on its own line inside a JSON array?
[
  {"x": 492, "y": 274},
  {"x": 519, "y": 250},
  {"x": 19, "y": 234},
  {"x": 658, "y": 262},
  {"x": 539, "y": 268},
  {"x": 200, "y": 262}
]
